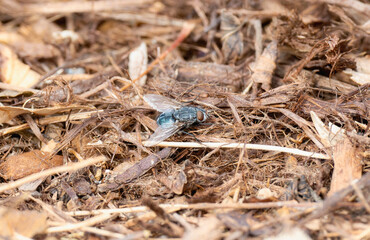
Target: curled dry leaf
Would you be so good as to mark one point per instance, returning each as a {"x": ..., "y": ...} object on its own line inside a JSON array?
[
  {"x": 232, "y": 38},
  {"x": 14, "y": 72},
  {"x": 138, "y": 63},
  {"x": 15, "y": 223},
  {"x": 265, "y": 66},
  {"x": 24, "y": 164}
]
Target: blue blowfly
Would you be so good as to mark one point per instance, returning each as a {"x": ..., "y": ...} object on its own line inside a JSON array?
[{"x": 174, "y": 117}]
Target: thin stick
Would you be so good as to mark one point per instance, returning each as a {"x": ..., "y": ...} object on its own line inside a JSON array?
[
  {"x": 185, "y": 31},
  {"x": 52, "y": 171},
  {"x": 73, "y": 226},
  {"x": 242, "y": 145},
  {"x": 177, "y": 207},
  {"x": 81, "y": 6},
  {"x": 103, "y": 232},
  {"x": 53, "y": 119},
  {"x": 254, "y": 14}
]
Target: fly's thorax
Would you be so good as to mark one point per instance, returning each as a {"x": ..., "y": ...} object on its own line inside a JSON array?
[
  {"x": 190, "y": 115},
  {"x": 166, "y": 119},
  {"x": 186, "y": 114}
]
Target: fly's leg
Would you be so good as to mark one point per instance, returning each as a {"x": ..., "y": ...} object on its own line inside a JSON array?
[
  {"x": 190, "y": 134},
  {"x": 204, "y": 124}
]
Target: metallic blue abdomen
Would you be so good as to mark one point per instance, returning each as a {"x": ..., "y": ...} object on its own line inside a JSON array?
[{"x": 166, "y": 119}]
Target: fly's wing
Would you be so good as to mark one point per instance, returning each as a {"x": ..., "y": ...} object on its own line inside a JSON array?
[
  {"x": 161, "y": 134},
  {"x": 161, "y": 103}
]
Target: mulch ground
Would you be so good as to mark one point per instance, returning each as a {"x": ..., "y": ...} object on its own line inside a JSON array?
[{"x": 277, "y": 148}]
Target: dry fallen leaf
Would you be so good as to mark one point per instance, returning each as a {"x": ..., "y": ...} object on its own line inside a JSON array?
[
  {"x": 265, "y": 193},
  {"x": 290, "y": 234},
  {"x": 362, "y": 64},
  {"x": 138, "y": 63},
  {"x": 347, "y": 160},
  {"x": 358, "y": 77},
  {"x": 175, "y": 181},
  {"x": 31, "y": 186},
  {"x": 34, "y": 38},
  {"x": 15, "y": 224},
  {"x": 26, "y": 48},
  {"x": 207, "y": 228},
  {"x": 232, "y": 39},
  {"x": 265, "y": 65},
  {"x": 329, "y": 137},
  {"x": 362, "y": 75},
  {"x": 24, "y": 164},
  {"x": 13, "y": 71}
]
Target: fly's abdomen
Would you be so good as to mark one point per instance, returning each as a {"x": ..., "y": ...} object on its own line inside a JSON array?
[{"x": 166, "y": 119}]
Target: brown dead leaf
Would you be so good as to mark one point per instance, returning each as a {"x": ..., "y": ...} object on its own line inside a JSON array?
[
  {"x": 31, "y": 186},
  {"x": 25, "y": 223},
  {"x": 264, "y": 66},
  {"x": 175, "y": 182},
  {"x": 14, "y": 72},
  {"x": 81, "y": 186},
  {"x": 232, "y": 40},
  {"x": 127, "y": 175},
  {"x": 24, "y": 164}
]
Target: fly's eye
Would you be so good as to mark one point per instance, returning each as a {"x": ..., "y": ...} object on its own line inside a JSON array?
[{"x": 200, "y": 116}]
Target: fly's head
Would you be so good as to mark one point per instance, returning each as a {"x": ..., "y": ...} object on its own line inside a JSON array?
[{"x": 201, "y": 115}]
